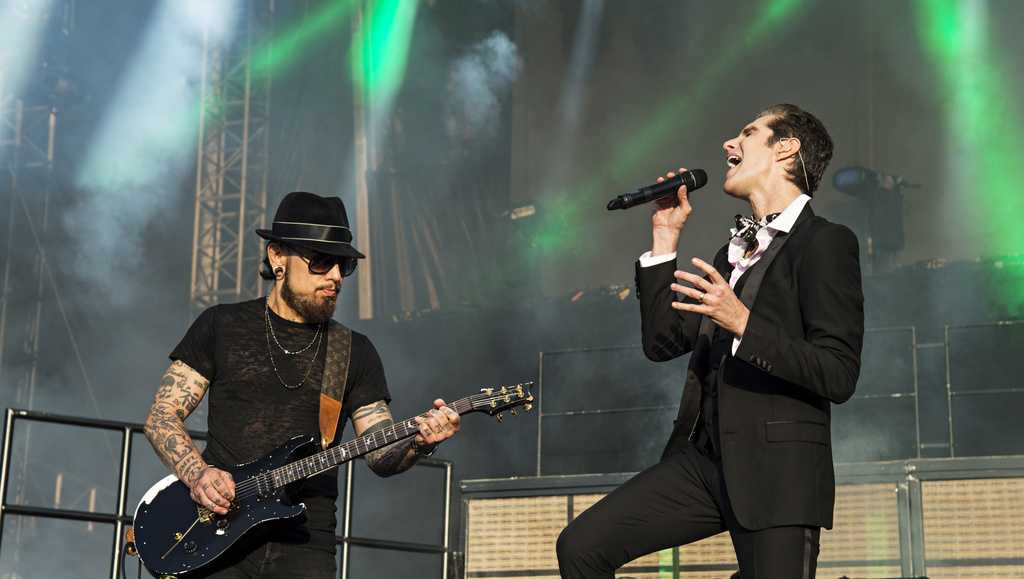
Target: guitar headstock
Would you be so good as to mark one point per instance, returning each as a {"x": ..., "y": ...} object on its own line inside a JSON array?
[{"x": 494, "y": 401}]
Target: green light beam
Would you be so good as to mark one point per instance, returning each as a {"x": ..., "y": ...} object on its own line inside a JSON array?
[
  {"x": 981, "y": 114},
  {"x": 380, "y": 48},
  {"x": 285, "y": 48}
]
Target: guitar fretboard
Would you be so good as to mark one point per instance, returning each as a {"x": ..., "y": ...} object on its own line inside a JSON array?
[{"x": 332, "y": 457}]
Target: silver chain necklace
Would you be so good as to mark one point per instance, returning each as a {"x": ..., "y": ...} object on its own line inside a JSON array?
[
  {"x": 270, "y": 351},
  {"x": 266, "y": 313}
]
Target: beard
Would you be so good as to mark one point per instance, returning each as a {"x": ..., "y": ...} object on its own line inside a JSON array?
[{"x": 313, "y": 309}]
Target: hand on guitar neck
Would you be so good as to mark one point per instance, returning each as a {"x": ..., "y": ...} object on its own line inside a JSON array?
[{"x": 437, "y": 425}]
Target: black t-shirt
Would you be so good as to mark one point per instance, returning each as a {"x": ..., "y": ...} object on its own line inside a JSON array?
[{"x": 251, "y": 412}]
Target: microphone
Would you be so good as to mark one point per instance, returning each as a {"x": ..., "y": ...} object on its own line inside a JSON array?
[{"x": 693, "y": 179}]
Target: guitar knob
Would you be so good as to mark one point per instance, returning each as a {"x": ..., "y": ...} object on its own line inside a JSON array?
[
  {"x": 190, "y": 547},
  {"x": 528, "y": 407}
]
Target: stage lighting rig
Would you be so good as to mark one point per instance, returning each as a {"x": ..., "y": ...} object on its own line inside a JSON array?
[{"x": 883, "y": 195}]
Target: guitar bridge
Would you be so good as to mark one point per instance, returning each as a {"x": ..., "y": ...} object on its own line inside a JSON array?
[{"x": 205, "y": 515}]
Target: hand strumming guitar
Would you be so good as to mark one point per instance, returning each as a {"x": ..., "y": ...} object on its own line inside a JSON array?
[{"x": 213, "y": 489}]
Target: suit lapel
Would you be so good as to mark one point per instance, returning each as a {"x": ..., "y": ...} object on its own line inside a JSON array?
[{"x": 755, "y": 275}]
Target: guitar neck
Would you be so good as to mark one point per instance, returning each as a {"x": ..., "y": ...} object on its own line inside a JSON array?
[{"x": 337, "y": 455}]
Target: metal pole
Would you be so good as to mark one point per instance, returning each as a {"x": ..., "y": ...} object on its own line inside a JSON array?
[
  {"x": 5, "y": 467},
  {"x": 204, "y": 87},
  {"x": 346, "y": 527},
  {"x": 949, "y": 397},
  {"x": 361, "y": 145},
  {"x": 917, "y": 393},
  {"x": 447, "y": 519},
  {"x": 540, "y": 405},
  {"x": 243, "y": 185},
  {"x": 122, "y": 498}
]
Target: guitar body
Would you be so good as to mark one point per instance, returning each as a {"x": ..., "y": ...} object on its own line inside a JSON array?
[{"x": 175, "y": 537}]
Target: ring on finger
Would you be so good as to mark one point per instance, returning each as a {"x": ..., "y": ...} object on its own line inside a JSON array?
[{"x": 700, "y": 297}]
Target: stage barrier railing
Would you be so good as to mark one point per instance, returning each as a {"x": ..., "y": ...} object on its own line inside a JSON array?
[
  {"x": 1008, "y": 367},
  {"x": 941, "y": 518},
  {"x": 346, "y": 540},
  {"x": 122, "y": 520},
  {"x": 119, "y": 518}
]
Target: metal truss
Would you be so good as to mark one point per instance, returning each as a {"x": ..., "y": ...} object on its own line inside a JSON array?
[
  {"x": 232, "y": 163},
  {"x": 28, "y": 129},
  {"x": 27, "y": 140}
]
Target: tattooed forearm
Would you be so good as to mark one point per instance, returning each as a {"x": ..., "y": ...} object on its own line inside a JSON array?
[
  {"x": 180, "y": 392},
  {"x": 190, "y": 467},
  {"x": 393, "y": 458},
  {"x": 372, "y": 413}
]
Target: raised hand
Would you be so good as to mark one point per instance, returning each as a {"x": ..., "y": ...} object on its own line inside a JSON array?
[
  {"x": 670, "y": 214},
  {"x": 714, "y": 296}
]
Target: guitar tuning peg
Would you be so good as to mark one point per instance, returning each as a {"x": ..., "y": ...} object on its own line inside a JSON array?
[
  {"x": 528, "y": 407},
  {"x": 514, "y": 413},
  {"x": 487, "y": 391},
  {"x": 498, "y": 416}
]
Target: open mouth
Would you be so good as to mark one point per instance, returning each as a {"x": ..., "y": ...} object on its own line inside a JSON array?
[{"x": 733, "y": 161}]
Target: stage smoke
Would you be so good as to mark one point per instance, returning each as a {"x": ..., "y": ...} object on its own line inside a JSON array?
[
  {"x": 135, "y": 166},
  {"x": 477, "y": 80}
]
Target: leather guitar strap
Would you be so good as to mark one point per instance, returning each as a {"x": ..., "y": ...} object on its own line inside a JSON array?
[{"x": 332, "y": 390}]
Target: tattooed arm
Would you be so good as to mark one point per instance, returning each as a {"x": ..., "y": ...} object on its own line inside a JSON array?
[
  {"x": 181, "y": 390},
  {"x": 440, "y": 423}
]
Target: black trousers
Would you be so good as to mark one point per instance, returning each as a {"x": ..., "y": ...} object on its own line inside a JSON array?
[
  {"x": 680, "y": 500},
  {"x": 272, "y": 552}
]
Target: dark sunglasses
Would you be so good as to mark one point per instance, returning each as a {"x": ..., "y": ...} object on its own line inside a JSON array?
[{"x": 321, "y": 263}]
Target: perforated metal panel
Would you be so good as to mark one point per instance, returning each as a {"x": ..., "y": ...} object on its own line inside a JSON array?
[
  {"x": 519, "y": 534},
  {"x": 974, "y": 528},
  {"x": 515, "y": 534},
  {"x": 865, "y": 540}
]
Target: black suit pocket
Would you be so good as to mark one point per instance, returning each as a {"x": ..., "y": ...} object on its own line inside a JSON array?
[{"x": 795, "y": 431}]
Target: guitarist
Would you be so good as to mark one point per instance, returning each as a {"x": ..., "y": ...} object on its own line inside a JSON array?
[{"x": 262, "y": 363}]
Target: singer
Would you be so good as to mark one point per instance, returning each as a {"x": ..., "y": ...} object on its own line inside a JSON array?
[{"x": 774, "y": 328}]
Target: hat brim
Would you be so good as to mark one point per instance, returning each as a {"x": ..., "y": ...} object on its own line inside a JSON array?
[{"x": 328, "y": 247}]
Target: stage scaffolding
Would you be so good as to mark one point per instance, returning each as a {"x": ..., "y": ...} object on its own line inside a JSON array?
[
  {"x": 28, "y": 130},
  {"x": 231, "y": 165}
]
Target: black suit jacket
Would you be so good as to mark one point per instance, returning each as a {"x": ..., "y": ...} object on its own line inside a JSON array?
[{"x": 800, "y": 353}]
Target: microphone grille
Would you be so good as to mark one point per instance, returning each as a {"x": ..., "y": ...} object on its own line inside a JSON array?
[{"x": 695, "y": 179}]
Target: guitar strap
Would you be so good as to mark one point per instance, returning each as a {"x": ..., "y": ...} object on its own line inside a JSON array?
[{"x": 332, "y": 390}]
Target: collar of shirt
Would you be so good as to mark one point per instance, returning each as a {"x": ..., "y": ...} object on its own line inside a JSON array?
[{"x": 784, "y": 223}]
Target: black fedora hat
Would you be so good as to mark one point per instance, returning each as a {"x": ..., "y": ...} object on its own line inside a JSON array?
[{"x": 310, "y": 221}]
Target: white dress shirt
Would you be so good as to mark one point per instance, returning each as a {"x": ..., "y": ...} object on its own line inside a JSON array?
[{"x": 738, "y": 248}]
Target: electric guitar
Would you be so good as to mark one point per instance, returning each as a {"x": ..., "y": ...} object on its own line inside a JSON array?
[{"x": 175, "y": 537}]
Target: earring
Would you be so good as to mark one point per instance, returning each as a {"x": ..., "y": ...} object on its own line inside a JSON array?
[{"x": 279, "y": 272}]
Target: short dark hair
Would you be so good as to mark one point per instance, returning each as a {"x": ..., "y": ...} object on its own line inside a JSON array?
[{"x": 815, "y": 143}]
